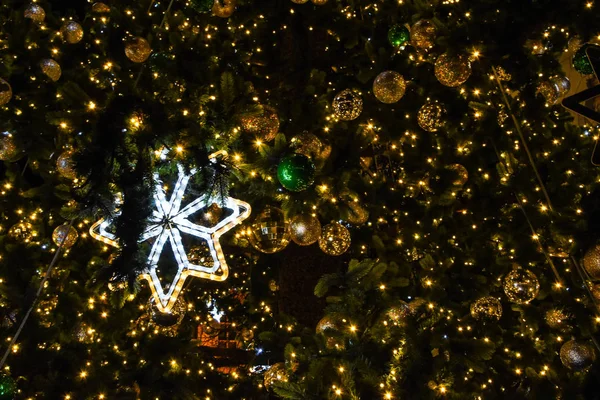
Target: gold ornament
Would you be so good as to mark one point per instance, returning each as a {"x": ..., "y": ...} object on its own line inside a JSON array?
[
  {"x": 270, "y": 232},
  {"x": 168, "y": 319},
  {"x": 51, "y": 69},
  {"x": 577, "y": 356},
  {"x": 399, "y": 313},
  {"x": 65, "y": 165},
  {"x": 312, "y": 147},
  {"x": 100, "y": 8},
  {"x": 9, "y": 150},
  {"x": 35, "y": 13},
  {"x": 319, "y": 2},
  {"x": 273, "y": 286},
  {"x": 596, "y": 291},
  {"x": 275, "y": 373},
  {"x": 452, "y": 71},
  {"x": 521, "y": 285},
  {"x": 423, "y": 34},
  {"x": 71, "y": 32},
  {"x": 389, "y": 87},
  {"x": 329, "y": 322},
  {"x": 487, "y": 307},
  {"x": 557, "y": 319},
  {"x": 335, "y": 239},
  {"x": 200, "y": 255},
  {"x": 137, "y": 49},
  {"x": 347, "y": 105},
  {"x": 357, "y": 215},
  {"x": 223, "y": 8},
  {"x": 5, "y": 92},
  {"x": 22, "y": 231},
  {"x": 536, "y": 46},
  {"x": 554, "y": 89},
  {"x": 65, "y": 233},
  {"x": 461, "y": 171},
  {"x": 591, "y": 262},
  {"x": 305, "y": 229},
  {"x": 264, "y": 126},
  {"x": 430, "y": 116}
]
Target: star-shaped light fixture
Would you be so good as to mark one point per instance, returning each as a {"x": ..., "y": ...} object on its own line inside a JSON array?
[
  {"x": 573, "y": 103},
  {"x": 168, "y": 221}
]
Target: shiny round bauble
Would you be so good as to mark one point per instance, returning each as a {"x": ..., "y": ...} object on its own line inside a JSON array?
[
  {"x": 9, "y": 150},
  {"x": 305, "y": 229},
  {"x": 486, "y": 308},
  {"x": 591, "y": 262},
  {"x": 223, "y": 8},
  {"x": 521, "y": 285},
  {"x": 430, "y": 117},
  {"x": 557, "y": 319},
  {"x": 264, "y": 125},
  {"x": 275, "y": 373},
  {"x": 51, "y": 69},
  {"x": 596, "y": 291},
  {"x": 202, "y": 5},
  {"x": 312, "y": 147},
  {"x": 347, "y": 104},
  {"x": 554, "y": 89},
  {"x": 329, "y": 322},
  {"x": 5, "y": 92},
  {"x": 170, "y": 318},
  {"x": 22, "y": 231},
  {"x": 335, "y": 239},
  {"x": 389, "y": 87},
  {"x": 100, "y": 8},
  {"x": 398, "y": 35},
  {"x": 576, "y": 355},
  {"x": 66, "y": 166},
  {"x": 65, "y": 234},
  {"x": 137, "y": 49},
  {"x": 581, "y": 61},
  {"x": 319, "y": 2},
  {"x": 71, "y": 32},
  {"x": 8, "y": 387},
  {"x": 452, "y": 70},
  {"x": 399, "y": 312},
  {"x": 270, "y": 232},
  {"x": 462, "y": 174},
  {"x": 296, "y": 172},
  {"x": 200, "y": 255},
  {"x": 423, "y": 34},
  {"x": 35, "y": 13}
]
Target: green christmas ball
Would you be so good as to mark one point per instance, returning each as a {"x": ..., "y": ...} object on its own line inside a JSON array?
[
  {"x": 581, "y": 62},
  {"x": 8, "y": 387},
  {"x": 202, "y": 5},
  {"x": 296, "y": 172},
  {"x": 398, "y": 35}
]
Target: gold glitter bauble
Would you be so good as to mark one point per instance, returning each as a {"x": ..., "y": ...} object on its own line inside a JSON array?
[
  {"x": 557, "y": 319},
  {"x": 389, "y": 87},
  {"x": 347, "y": 104},
  {"x": 462, "y": 174},
  {"x": 270, "y": 231},
  {"x": 487, "y": 307},
  {"x": 275, "y": 373},
  {"x": 5, "y": 92},
  {"x": 65, "y": 233},
  {"x": 264, "y": 126},
  {"x": 591, "y": 262},
  {"x": 65, "y": 165},
  {"x": 71, "y": 32},
  {"x": 423, "y": 34},
  {"x": 451, "y": 70},
  {"x": 335, "y": 239},
  {"x": 554, "y": 89},
  {"x": 310, "y": 146},
  {"x": 100, "y": 8},
  {"x": 329, "y": 322},
  {"x": 319, "y": 2},
  {"x": 9, "y": 150},
  {"x": 430, "y": 116},
  {"x": 23, "y": 231},
  {"x": 51, "y": 69},
  {"x": 577, "y": 356},
  {"x": 521, "y": 285},
  {"x": 35, "y": 13},
  {"x": 305, "y": 229},
  {"x": 399, "y": 312},
  {"x": 596, "y": 291},
  {"x": 223, "y": 8},
  {"x": 137, "y": 49},
  {"x": 357, "y": 215}
]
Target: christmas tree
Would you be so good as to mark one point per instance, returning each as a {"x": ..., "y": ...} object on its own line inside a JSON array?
[{"x": 339, "y": 199}]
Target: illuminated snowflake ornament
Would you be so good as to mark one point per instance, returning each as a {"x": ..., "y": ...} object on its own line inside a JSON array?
[{"x": 168, "y": 222}]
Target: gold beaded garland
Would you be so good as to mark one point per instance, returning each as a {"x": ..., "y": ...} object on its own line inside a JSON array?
[
  {"x": 423, "y": 34},
  {"x": 137, "y": 49},
  {"x": 521, "y": 285},
  {"x": 65, "y": 165},
  {"x": 51, "y": 69},
  {"x": 487, "y": 307},
  {"x": 430, "y": 116},
  {"x": 223, "y": 8},
  {"x": 35, "y": 13},
  {"x": 347, "y": 105},
  {"x": 71, "y": 32},
  {"x": 335, "y": 239},
  {"x": 576, "y": 355},
  {"x": 389, "y": 87},
  {"x": 264, "y": 125},
  {"x": 5, "y": 92},
  {"x": 452, "y": 71},
  {"x": 305, "y": 229},
  {"x": 65, "y": 233},
  {"x": 269, "y": 233}
]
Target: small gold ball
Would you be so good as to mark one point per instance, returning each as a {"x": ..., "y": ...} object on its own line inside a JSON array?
[
  {"x": 9, "y": 150},
  {"x": 51, "y": 69},
  {"x": 347, "y": 105},
  {"x": 22, "y": 231},
  {"x": 335, "y": 239},
  {"x": 487, "y": 307},
  {"x": 65, "y": 234},
  {"x": 5, "y": 92},
  {"x": 557, "y": 319},
  {"x": 138, "y": 49},
  {"x": 452, "y": 71},
  {"x": 100, "y": 8},
  {"x": 71, "y": 32},
  {"x": 35, "y": 13},
  {"x": 423, "y": 34},
  {"x": 462, "y": 174},
  {"x": 223, "y": 8},
  {"x": 264, "y": 125},
  {"x": 430, "y": 116},
  {"x": 65, "y": 165},
  {"x": 577, "y": 356},
  {"x": 521, "y": 285},
  {"x": 591, "y": 262},
  {"x": 389, "y": 87},
  {"x": 305, "y": 229}
]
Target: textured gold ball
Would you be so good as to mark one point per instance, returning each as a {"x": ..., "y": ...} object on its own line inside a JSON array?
[
  {"x": 557, "y": 319},
  {"x": 430, "y": 117},
  {"x": 35, "y": 13},
  {"x": 389, "y": 87},
  {"x": 276, "y": 373},
  {"x": 270, "y": 232},
  {"x": 451, "y": 70},
  {"x": 399, "y": 313},
  {"x": 305, "y": 229},
  {"x": 319, "y": 2},
  {"x": 5, "y": 92},
  {"x": 100, "y": 8},
  {"x": 596, "y": 291},
  {"x": 22, "y": 231},
  {"x": 138, "y": 49},
  {"x": 264, "y": 125},
  {"x": 329, "y": 322},
  {"x": 71, "y": 32},
  {"x": 65, "y": 233},
  {"x": 521, "y": 285},
  {"x": 577, "y": 356},
  {"x": 461, "y": 172},
  {"x": 223, "y": 8},
  {"x": 423, "y": 34},
  {"x": 335, "y": 239},
  {"x": 347, "y": 105},
  {"x": 66, "y": 166},
  {"x": 554, "y": 89},
  {"x": 51, "y": 69},
  {"x": 486, "y": 308},
  {"x": 9, "y": 150},
  {"x": 591, "y": 262}
]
